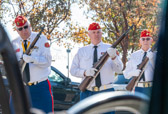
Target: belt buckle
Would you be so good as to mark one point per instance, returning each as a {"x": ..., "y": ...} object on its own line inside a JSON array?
[
  {"x": 95, "y": 88},
  {"x": 146, "y": 84},
  {"x": 105, "y": 87},
  {"x": 30, "y": 84}
]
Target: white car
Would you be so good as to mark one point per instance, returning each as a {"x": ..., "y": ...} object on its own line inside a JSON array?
[{"x": 120, "y": 83}]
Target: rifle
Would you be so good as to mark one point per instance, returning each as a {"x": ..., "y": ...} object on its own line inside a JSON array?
[
  {"x": 134, "y": 81},
  {"x": 99, "y": 64},
  {"x": 30, "y": 49}
]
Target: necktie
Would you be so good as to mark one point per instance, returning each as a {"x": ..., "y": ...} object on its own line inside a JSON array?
[
  {"x": 143, "y": 76},
  {"x": 26, "y": 76},
  {"x": 98, "y": 80}
]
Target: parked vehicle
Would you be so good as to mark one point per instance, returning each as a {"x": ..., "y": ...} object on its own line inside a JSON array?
[
  {"x": 120, "y": 79},
  {"x": 120, "y": 83},
  {"x": 65, "y": 92}
]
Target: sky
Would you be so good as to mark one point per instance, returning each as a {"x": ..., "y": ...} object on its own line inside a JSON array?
[{"x": 59, "y": 54}]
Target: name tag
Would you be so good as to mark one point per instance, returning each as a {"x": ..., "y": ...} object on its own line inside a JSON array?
[{"x": 102, "y": 53}]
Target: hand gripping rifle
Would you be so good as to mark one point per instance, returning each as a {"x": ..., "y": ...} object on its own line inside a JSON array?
[
  {"x": 30, "y": 49},
  {"x": 99, "y": 64},
  {"x": 134, "y": 81}
]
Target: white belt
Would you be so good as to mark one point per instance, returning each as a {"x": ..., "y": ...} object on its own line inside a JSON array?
[
  {"x": 144, "y": 84},
  {"x": 36, "y": 82},
  {"x": 103, "y": 87}
]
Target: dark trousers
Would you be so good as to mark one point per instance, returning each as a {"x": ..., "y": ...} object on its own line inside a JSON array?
[
  {"x": 146, "y": 91},
  {"x": 41, "y": 97}
]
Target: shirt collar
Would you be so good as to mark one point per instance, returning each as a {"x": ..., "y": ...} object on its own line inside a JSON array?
[
  {"x": 142, "y": 51},
  {"x": 29, "y": 39},
  {"x": 99, "y": 44}
]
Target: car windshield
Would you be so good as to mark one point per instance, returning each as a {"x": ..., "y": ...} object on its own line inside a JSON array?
[{"x": 55, "y": 77}]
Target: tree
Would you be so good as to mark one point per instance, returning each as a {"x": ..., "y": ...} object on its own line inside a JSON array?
[
  {"x": 115, "y": 15},
  {"x": 3, "y": 9},
  {"x": 118, "y": 15},
  {"x": 49, "y": 13}
]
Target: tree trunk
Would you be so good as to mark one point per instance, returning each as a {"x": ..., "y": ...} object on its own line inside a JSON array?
[{"x": 124, "y": 45}]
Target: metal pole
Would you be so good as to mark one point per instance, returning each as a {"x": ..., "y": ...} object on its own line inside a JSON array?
[{"x": 68, "y": 51}]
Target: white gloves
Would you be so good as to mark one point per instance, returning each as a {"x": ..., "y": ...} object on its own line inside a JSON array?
[
  {"x": 150, "y": 55},
  {"x": 90, "y": 72},
  {"x": 135, "y": 72},
  {"x": 112, "y": 52},
  {"x": 28, "y": 59}
]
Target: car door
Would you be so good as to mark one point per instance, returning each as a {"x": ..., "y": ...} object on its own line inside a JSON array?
[{"x": 65, "y": 95}]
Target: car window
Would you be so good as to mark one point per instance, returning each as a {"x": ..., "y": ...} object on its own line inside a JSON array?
[{"x": 55, "y": 77}]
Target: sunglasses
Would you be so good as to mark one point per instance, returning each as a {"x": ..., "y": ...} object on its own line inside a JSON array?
[
  {"x": 25, "y": 27},
  {"x": 147, "y": 39}
]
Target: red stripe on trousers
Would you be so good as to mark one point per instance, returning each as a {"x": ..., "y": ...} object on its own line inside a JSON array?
[{"x": 51, "y": 95}]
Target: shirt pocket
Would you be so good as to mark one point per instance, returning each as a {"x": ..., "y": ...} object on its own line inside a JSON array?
[
  {"x": 135, "y": 63},
  {"x": 86, "y": 62},
  {"x": 108, "y": 64},
  {"x": 36, "y": 51}
]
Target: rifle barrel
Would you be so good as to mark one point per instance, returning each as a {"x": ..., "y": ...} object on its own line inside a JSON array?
[
  {"x": 30, "y": 49},
  {"x": 98, "y": 65},
  {"x": 133, "y": 82}
]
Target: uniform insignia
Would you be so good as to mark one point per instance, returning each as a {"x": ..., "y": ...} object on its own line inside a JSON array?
[
  {"x": 17, "y": 23},
  {"x": 35, "y": 47},
  {"x": 17, "y": 50},
  {"x": 102, "y": 53},
  {"x": 94, "y": 26},
  {"x": 47, "y": 44},
  {"x": 145, "y": 33},
  {"x": 96, "y": 89},
  {"x": 117, "y": 53},
  {"x": 20, "y": 21}
]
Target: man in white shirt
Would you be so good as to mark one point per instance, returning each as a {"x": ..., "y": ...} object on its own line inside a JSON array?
[
  {"x": 38, "y": 64},
  {"x": 145, "y": 82},
  {"x": 85, "y": 58}
]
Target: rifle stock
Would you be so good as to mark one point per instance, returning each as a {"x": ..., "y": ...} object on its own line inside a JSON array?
[
  {"x": 133, "y": 82},
  {"x": 98, "y": 65},
  {"x": 85, "y": 83},
  {"x": 30, "y": 49}
]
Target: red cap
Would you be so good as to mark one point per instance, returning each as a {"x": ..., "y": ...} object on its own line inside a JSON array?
[
  {"x": 145, "y": 33},
  {"x": 20, "y": 21},
  {"x": 94, "y": 26}
]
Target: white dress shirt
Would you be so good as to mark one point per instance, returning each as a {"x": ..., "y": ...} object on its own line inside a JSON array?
[
  {"x": 136, "y": 59},
  {"x": 41, "y": 69},
  {"x": 84, "y": 60}
]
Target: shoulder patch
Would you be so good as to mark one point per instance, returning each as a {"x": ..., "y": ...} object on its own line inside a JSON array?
[
  {"x": 117, "y": 53},
  {"x": 17, "y": 50},
  {"x": 47, "y": 44}
]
